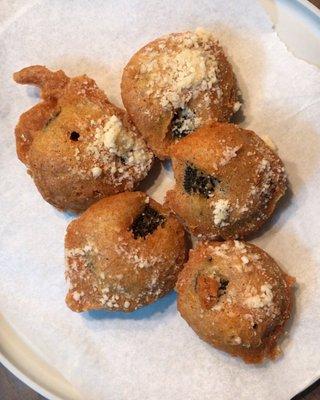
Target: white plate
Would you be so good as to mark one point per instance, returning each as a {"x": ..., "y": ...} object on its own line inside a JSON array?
[{"x": 297, "y": 23}]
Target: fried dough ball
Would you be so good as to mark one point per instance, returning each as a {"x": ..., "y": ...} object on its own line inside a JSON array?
[
  {"x": 228, "y": 181},
  {"x": 176, "y": 84},
  {"x": 236, "y": 298},
  {"x": 124, "y": 252},
  {"x": 77, "y": 146}
]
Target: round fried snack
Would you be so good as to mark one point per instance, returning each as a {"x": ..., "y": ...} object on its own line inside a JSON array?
[
  {"x": 177, "y": 83},
  {"x": 78, "y": 147},
  {"x": 235, "y": 297},
  {"x": 228, "y": 181},
  {"x": 124, "y": 252}
]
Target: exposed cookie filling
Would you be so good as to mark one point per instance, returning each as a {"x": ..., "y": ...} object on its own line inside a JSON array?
[
  {"x": 223, "y": 284},
  {"x": 183, "y": 122},
  {"x": 146, "y": 222},
  {"x": 210, "y": 289},
  {"x": 197, "y": 182}
]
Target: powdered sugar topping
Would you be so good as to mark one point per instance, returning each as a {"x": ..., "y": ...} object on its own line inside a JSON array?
[
  {"x": 263, "y": 299},
  {"x": 221, "y": 210},
  {"x": 185, "y": 69},
  {"x": 119, "y": 154}
]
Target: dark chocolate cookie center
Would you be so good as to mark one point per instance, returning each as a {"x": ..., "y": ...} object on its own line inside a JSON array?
[
  {"x": 222, "y": 286},
  {"x": 196, "y": 181},
  {"x": 147, "y": 222},
  {"x": 182, "y": 123}
]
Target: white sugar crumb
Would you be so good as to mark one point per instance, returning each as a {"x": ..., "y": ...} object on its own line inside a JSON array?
[
  {"x": 76, "y": 296},
  {"x": 135, "y": 258},
  {"x": 236, "y": 106},
  {"x": 268, "y": 141},
  {"x": 126, "y": 304},
  {"x": 264, "y": 165},
  {"x": 112, "y": 303},
  {"x": 96, "y": 172},
  {"x": 221, "y": 212},
  {"x": 236, "y": 340},
  {"x": 215, "y": 251},
  {"x": 255, "y": 257},
  {"x": 228, "y": 154},
  {"x": 111, "y": 131},
  {"x": 220, "y": 251},
  {"x": 245, "y": 259},
  {"x": 239, "y": 245},
  {"x": 217, "y": 307},
  {"x": 117, "y": 140},
  {"x": 261, "y": 300},
  {"x": 79, "y": 261},
  {"x": 268, "y": 177},
  {"x": 119, "y": 152},
  {"x": 80, "y": 252}
]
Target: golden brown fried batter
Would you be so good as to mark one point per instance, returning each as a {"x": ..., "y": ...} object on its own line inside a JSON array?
[
  {"x": 228, "y": 181},
  {"x": 177, "y": 83},
  {"x": 78, "y": 147},
  {"x": 235, "y": 297},
  {"x": 124, "y": 252}
]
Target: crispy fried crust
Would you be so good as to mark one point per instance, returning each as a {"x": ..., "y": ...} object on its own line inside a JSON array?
[
  {"x": 108, "y": 268},
  {"x": 250, "y": 180},
  {"x": 247, "y": 316},
  {"x": 50, "y": 83},
  {"x": 58, "y": 141},
  {"x": 144, "y": 92}
]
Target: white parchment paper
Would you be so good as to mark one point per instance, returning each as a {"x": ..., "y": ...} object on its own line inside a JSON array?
[{"x": 152, "y": 353}]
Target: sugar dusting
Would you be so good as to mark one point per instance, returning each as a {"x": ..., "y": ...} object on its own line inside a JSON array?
[
  {"x": 119, "y": 155},
  {"x": 187, "y": 67},
  {"x": 220, "y": 212}
]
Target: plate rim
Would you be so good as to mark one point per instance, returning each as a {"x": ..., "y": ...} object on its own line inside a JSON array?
[
  {"x": 26, "y": 380},
  {"x": 311, "y": 7},
  {"x": 12, "y": 347}
]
